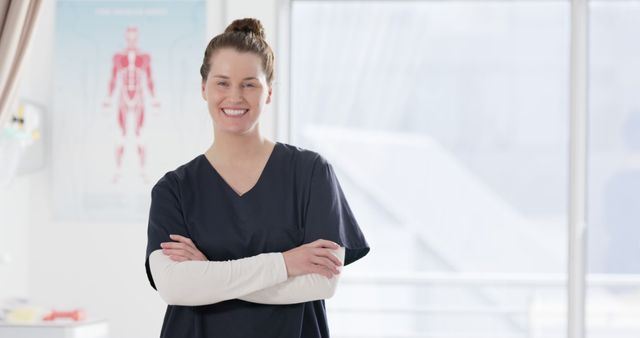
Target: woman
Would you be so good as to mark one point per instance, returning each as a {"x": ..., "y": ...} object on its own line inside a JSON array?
[{"x": 247, "y": 239}]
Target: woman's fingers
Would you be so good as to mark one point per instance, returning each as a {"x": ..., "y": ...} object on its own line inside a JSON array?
[
  {"x": 184, "y": 243},
  {"x": 324, "y": 248},
  {"x": 319, "y": 269},
  {"x": 182, "y": 239},
  {"x": 183, "y": 248},
  {"x": 327, "y": 254},
  {"x": 330, "y": 265},
  {"x": 322, "y": 257},
  {"x": 323, "y": 243},
  {"x": 178, "y": 246},
  {"x": 315, "y": 257},
  {"x": 177, "y": 252}
]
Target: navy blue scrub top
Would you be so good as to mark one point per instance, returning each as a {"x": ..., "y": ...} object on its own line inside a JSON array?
[{"x": 296, "y": 200}]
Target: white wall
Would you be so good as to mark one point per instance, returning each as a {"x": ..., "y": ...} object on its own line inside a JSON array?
[
  {"x": 14, "y": 231},
  {"x": 97, "y": 266}
]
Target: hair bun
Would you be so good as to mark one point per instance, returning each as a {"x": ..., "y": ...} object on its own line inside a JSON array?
[{"x": 246, "y": 25}]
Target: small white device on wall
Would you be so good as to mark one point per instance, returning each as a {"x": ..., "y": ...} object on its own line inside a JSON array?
[{"x": 21, "y": 149}]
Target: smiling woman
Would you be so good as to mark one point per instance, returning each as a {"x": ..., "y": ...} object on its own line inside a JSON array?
[
  {"x": 235, "y": 87},
  {"x": 248, "y": 239}
]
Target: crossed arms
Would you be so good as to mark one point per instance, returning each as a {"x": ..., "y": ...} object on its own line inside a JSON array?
[{"x": 259, "y": 279}]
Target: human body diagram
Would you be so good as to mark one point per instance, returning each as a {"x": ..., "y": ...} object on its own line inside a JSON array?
[{"x": 130, "y": 67}]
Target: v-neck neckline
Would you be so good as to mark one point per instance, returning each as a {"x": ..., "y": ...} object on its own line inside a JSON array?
[{"x": 228, "y": 186}]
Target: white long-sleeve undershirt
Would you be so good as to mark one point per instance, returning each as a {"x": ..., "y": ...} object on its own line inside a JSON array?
[
  {"x": 258, "y": 279},
  {"x": 304, "y": 288}
]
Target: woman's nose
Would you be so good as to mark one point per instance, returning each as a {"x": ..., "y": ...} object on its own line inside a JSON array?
[{"x": 236, "y": 94}]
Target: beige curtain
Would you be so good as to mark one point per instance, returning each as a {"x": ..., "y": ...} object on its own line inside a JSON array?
[{"x": 17, "y": 20}]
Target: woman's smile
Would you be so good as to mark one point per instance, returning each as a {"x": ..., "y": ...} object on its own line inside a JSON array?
[{"x": 234, "y": 112}]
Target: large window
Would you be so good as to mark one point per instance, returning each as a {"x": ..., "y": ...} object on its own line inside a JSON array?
[
  {"x": 448, "y": 125},
  {"x": 614, "y": 170}
]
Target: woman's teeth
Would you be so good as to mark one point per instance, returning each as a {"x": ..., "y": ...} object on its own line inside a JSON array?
[{"x": 234, "y": 112}]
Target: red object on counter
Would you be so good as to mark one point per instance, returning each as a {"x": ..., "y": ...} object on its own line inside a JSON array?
[{"x": 74, "y": 315}]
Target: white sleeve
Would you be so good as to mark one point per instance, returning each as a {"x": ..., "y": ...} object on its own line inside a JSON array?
[
  {"x": 298, "y": 289},
  {"x": 193, "y": 283}
]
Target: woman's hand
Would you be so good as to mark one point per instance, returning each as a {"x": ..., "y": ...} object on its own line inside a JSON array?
[
  {"x": 315, "y": 257},
  {"x": 182, "y": 249}
]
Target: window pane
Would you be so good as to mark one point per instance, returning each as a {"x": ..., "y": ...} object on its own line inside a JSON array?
[
  {"x": 447, "y": 125},
  {"x": 614, "y": 170}
]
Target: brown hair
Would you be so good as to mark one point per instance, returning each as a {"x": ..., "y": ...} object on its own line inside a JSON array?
[{"x": 243, "y": 35}]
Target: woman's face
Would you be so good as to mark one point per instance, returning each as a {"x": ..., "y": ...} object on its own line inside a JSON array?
[{"x": 236, "y": 90}]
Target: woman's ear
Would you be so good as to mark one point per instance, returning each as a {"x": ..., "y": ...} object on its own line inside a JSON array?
[
  {"x": 269, "y": 95},
  {"x": 204, "y": 91}
]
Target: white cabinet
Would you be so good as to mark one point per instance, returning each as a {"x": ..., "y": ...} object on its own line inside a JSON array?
[{"x": 84, "y": 329}]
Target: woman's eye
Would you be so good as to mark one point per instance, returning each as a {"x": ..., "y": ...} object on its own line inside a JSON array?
[
  {"x": 224, "y": 84},
  {"x": 249, "y": 85}
]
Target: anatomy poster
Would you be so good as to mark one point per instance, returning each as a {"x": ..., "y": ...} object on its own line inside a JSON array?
[{"x": 127, "y": 103}]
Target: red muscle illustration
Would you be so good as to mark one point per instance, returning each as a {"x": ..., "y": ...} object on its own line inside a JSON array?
[{"x": 129, "y": 67}]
